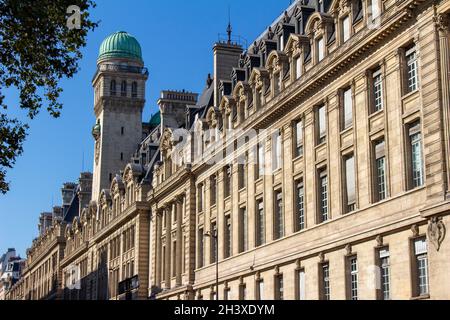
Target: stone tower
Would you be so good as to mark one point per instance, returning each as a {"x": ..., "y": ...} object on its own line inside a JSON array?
[{"x": 119, "y": 86}]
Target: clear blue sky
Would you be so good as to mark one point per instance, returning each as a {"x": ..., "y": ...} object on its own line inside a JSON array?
[{"x": 176, "y": 38}]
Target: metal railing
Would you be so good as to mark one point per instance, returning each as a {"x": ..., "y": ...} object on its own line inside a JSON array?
[{"x": 123, "y": 68}]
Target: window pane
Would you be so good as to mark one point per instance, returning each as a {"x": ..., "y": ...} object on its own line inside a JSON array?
[
  {"x": 322, "y": 124},
  {"x": 260, "y": 236},
  {"x": 323, "y": 192},
  {"x": 411, "y": 61},
  {"x": 279, "y": 218},
  {"x": 320, "y": 49},
  {"x": 301, "y": 285},
  {"x": 348, "y": 109},
  {"x": 300, "y": 206},
  {"x": 350, "y": 183},
  {"x": 385, "y": 274},
  {"x": 326, "y": 281},
  {"x": 378, "y": 90},
  {"x": 298, "y": 67},
  {"x": 354, "y": 278},
  {"x": 260, "y": 160},
  {"x": 346, "y": 28},
  {"x": 375, "y": 9},
  {"x": 416, "y": 157},
  {"x": 299, "y": 138}
]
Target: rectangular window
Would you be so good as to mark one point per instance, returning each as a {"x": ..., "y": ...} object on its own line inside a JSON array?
[
  {"x": 260, "y": 289},
  {"x": 416, "y": 162},
  {"x": 301, "y": 285},
  {"x": 421, "y": 265},
  {"x": 228, "y": 239},
  {"x": 279, "y": 216},
  {"x": 377, "y": 83},
  {"x": 322, "y": 125},
  {"x": 201, "y": 246},
  {"x": 213, "y": 240},
  {"x": 279, "y": 287},
  {"x": 385, "y": 274},
  {"x": 380, "y": 170},
  {"x": 348, "y": 108},
  {"x": 324, "y": 281},
  {"x": 227, "y": 181},
  {"x": 352, "y": 265},
  {"x": 174, "y": 258},
  {"x": 276, "y": 151},
  {"x": 241, "y": 176},
  {"x": 242, "y": 292},
  {"x": 300, "y": 206},
  {"x": 411, "y": 68},
  {"x": 213, "y": 190},
  {"x": 243, "y": 235},
  {"x": 200, "y": 197},
  {"x": 298, "y": 138},
  {"x": 260, "y": 223},
  {"x": 346, "y": 29},
  {"x": 323, "y": 196},
  {"x": 260, "y": 171},
  {"x": 350, "y": 183},
  {"x": 320, "y": 49},
  {"x": 226, "y": 294}
]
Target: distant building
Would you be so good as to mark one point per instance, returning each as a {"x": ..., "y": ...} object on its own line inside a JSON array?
[{"x": 11, "y": 267}]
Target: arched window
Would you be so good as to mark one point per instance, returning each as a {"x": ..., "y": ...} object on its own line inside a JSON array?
[
  {"x": 113, "y": 87},
  {"x": 123, "y": 89},
  {"x": 134, "y": 90}
]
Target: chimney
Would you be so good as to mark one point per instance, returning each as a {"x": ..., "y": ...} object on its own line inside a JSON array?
[
  {"x": 84, "y": 190},
  {"x": 226, "y": 57}
]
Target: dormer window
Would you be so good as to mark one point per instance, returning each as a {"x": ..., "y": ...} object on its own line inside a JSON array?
[
  {"x": 281, "y": 42},
  {"x": 320, "y": 49},
  {"x": 357, "y": 11},
  {"x": 276, "y": 83},
  {"x": 346, "y": 29},
  {"x": 375, "y": 8},
  {"x": 298, "y": 67}
]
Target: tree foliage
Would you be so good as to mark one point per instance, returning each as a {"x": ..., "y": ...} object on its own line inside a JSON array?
[{"x": 37, "y": 50}]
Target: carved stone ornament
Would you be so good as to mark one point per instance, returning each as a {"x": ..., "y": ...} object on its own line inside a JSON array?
[
  {"x": 442, "y": 22},
  {"x": 379, "y": 240},
  {"x": 436, "y": 232},
  {"x": 415, "y": 230},
  {"x": 348, "y": 249},
  {"x": 97, "y": 151},
  {"x": 321, "y": 257}
]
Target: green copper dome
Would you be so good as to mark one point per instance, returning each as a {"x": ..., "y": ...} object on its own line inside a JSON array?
[
  {"x": 120, "y": 45},
  {"x": 156, "y": 119}
]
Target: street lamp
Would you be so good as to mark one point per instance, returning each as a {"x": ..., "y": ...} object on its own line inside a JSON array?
[{"x": 214, "y": 235}]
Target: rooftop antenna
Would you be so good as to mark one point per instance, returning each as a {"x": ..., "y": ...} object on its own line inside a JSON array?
[
  {"x": 229, "y": 28},
  {"x": 82, "y": 162}
]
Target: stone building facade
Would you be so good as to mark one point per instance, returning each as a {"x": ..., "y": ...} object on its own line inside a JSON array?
[
  {"x": 346, "y": 195},
  {"x": 313, "y": 165}
]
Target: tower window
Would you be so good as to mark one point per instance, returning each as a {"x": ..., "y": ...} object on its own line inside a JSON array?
[
  {"x": 121, "y": 156},
  {"x": 122, "y": 131},
  {"x": 113, "y": 87},
  {"x": 123, "y": 89},
  {"x": 134, "y": 90}
]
